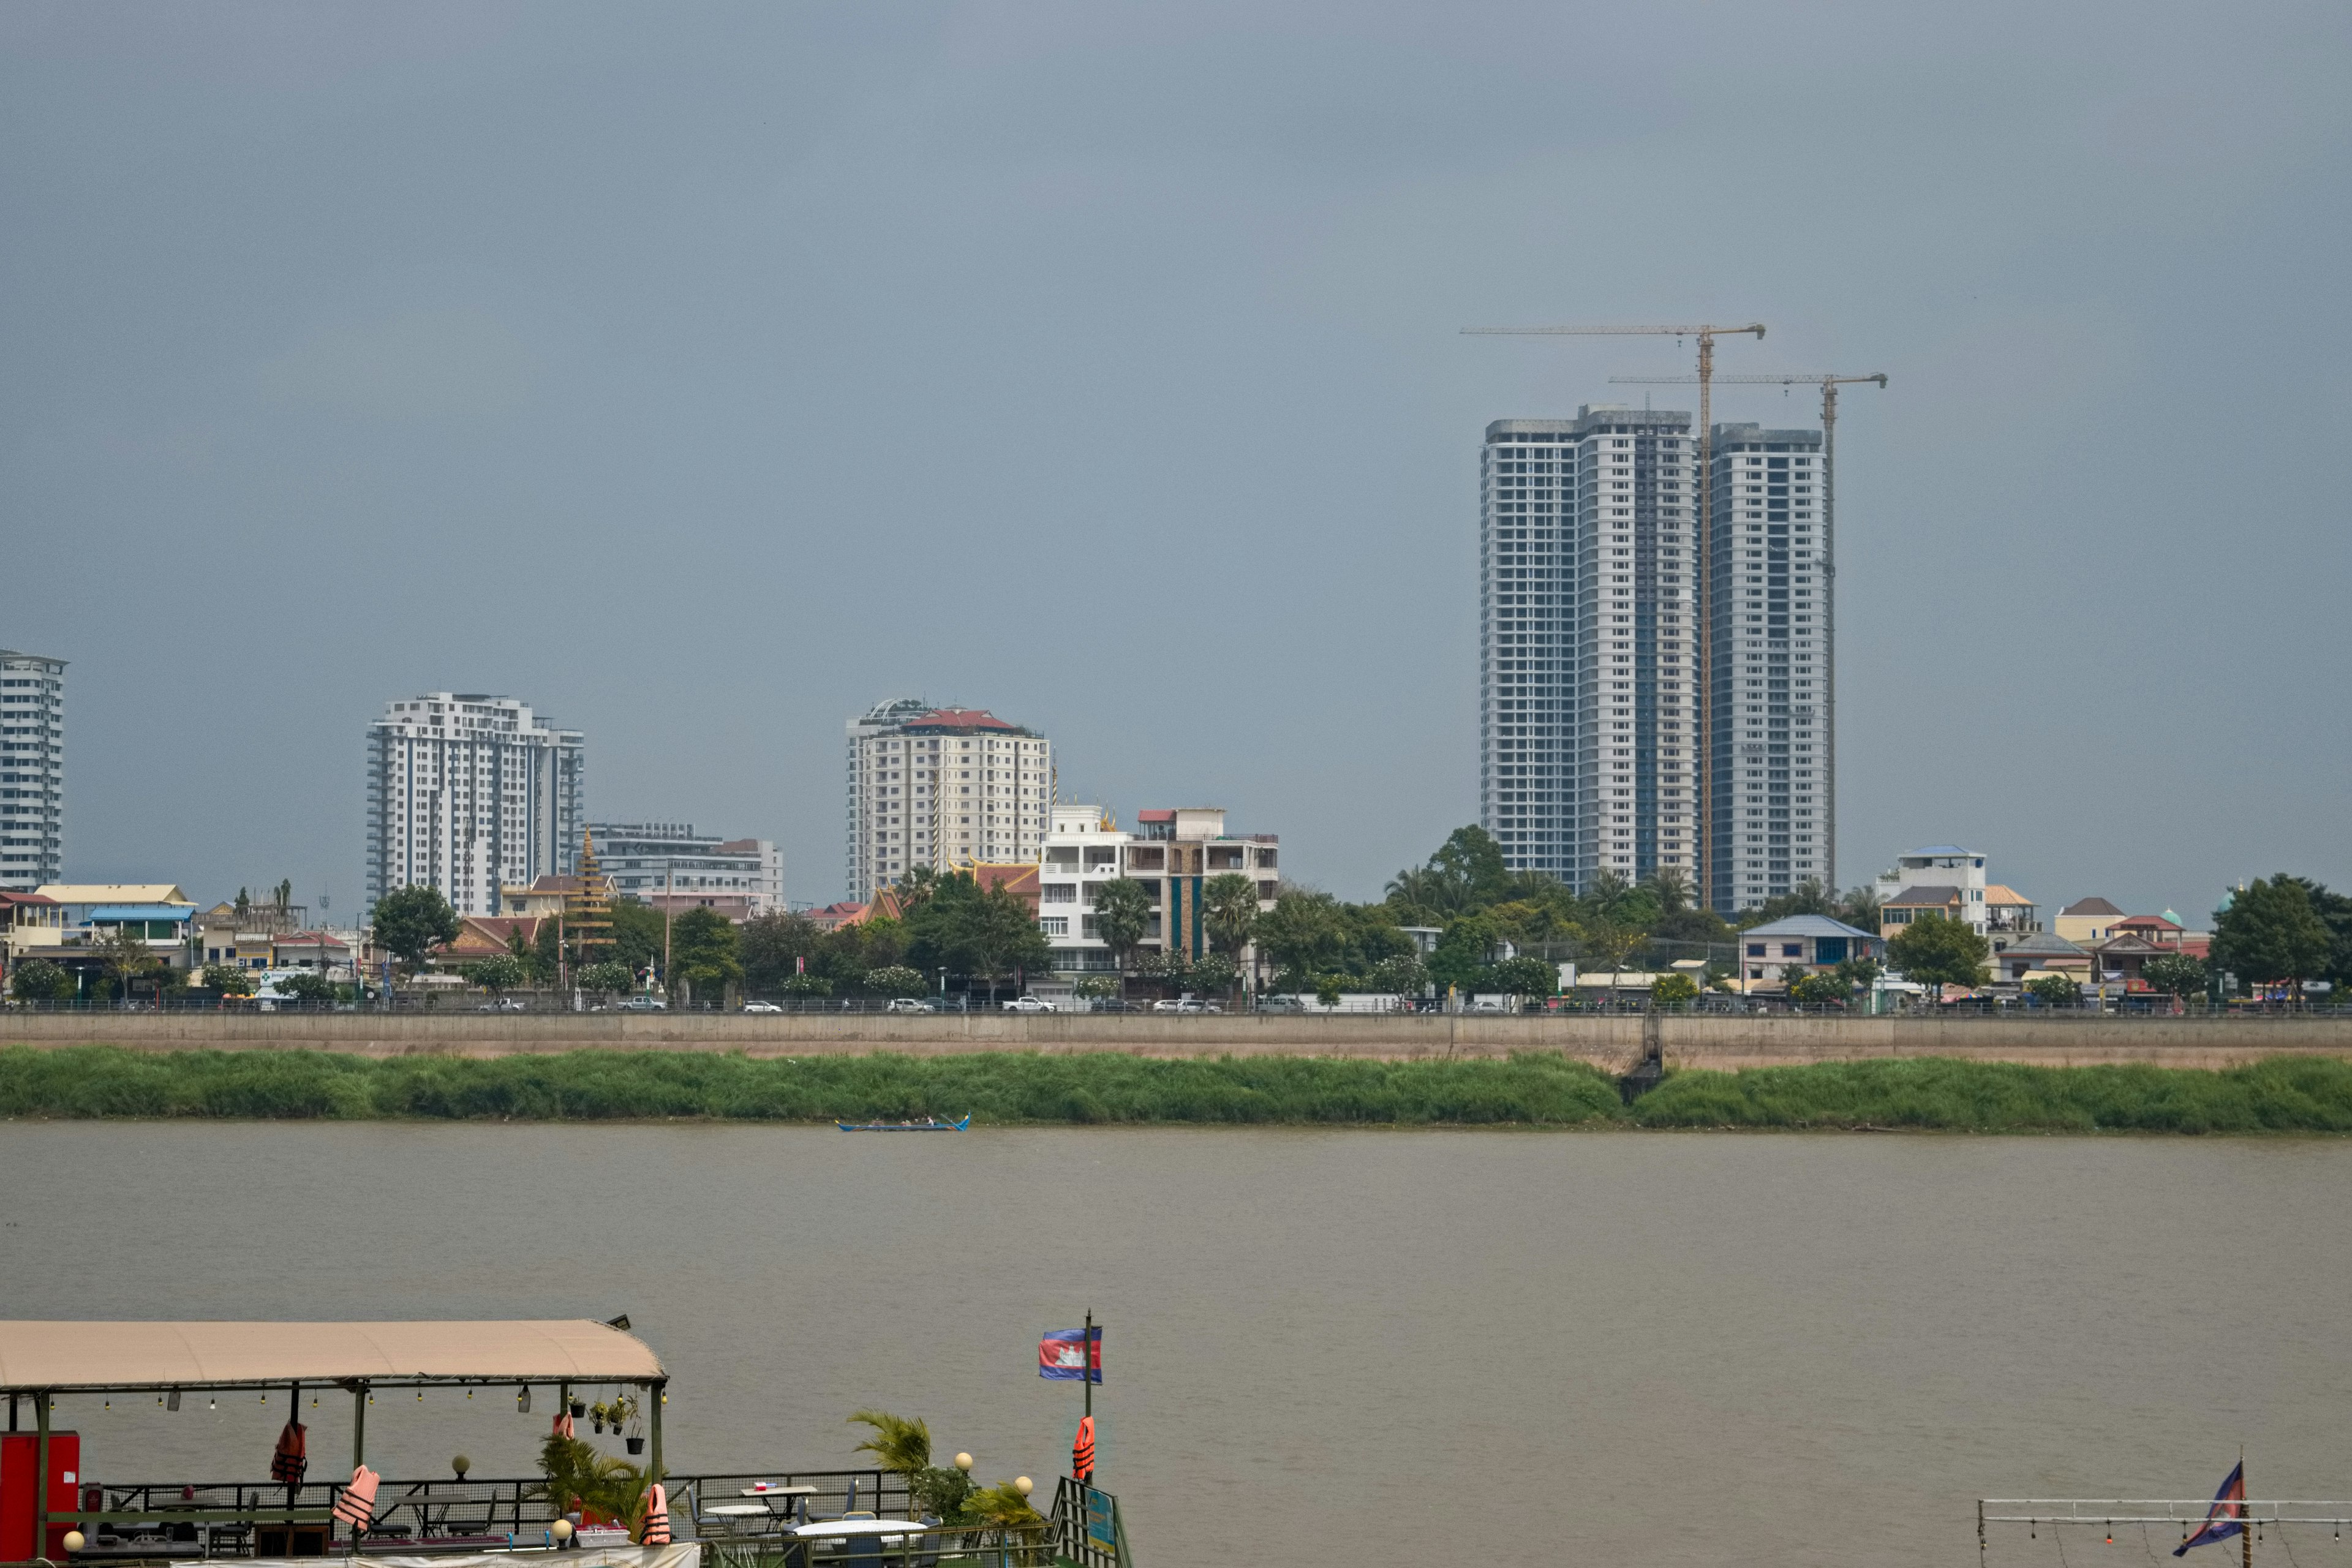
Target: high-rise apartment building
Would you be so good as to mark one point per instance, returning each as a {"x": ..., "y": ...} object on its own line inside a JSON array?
[
  {"x": 467, "y": 792},
  {"x": 1587, "y": 573},
  {"x": 940, "y": 787},
  {"x": 32, "y": 770},
  {"x": 1769, "y": 605}
]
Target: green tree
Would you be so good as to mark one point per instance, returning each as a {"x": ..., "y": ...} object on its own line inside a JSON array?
[
  {"x": 496, "y": 975},
  {"x": 637, "y": 933},
  {"x": 1673, "y": 992},
  {"x": 806, "y": 985},
  {"x": 227, "y": 979},
  {"x": 1936, "y": 949},
  {"x": 901, "y": 1444},
  {"x": 2270, "y": 935},
  {"x": 1212, "y": 975},
  {"x": 1465, "y": 949},
  {"x": 1122, "y": 914},
  {"x": 1824, "y": 989},
  {"x": 1808, "y": 898},
  {"x": 1095, "y": 987},
  {"x": 1303, "y": 934},
  {"x": 308, "y": 987},
  {"x": 1229, "y": 912},
  {"x": 774, "y": 947},
  {"x": 2055, "y": 991},
  {"x": 703, "y": 954},
  {"x": 605, "y": 978},
  {"x": 1401, "y": 975},
  {"x": 410, "y": 922},
  {"x": 1464, "y": 876},
  {"x": 38, "y": 980},
  {"x": 1328, "y": 988},
  {"x": 2176, "y": 974},
  {"x": 126, "y": 956},
  {"x": 896, "y": 980},
  {"x": 1524, "y": 976},
  {"x": 1859, "y": 974}
]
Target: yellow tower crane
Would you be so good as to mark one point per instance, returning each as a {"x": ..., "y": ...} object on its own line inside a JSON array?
[
  {"x": 1829, "y": 384},
  {"x": 1703, "y": 739}
]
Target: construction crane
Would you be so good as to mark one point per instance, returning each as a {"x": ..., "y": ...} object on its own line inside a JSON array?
[
  {"x": 1703, "y": 738},
  {"x": 1829, "y": 384}
]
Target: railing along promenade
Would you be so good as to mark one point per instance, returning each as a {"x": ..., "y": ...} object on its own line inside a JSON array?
[{"x": 1608, "y": 1040}]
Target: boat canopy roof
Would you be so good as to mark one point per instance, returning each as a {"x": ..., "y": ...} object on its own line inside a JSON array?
[{"x": 128, "y": 1355}]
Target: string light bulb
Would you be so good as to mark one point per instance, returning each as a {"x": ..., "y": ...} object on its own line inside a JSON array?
[{"x": 211, "y": 1403}]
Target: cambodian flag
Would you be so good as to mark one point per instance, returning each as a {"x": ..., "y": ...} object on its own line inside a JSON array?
[
  {"x": 1075, "y": 1354},
  {"x": 2226, "y": 1516}
]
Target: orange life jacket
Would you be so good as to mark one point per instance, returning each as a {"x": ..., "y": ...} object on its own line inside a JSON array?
[
  {"x": 1082, "y": 1452},
  {"x": 292, "y": 1456},
  {"x": 356, "y": 1507},
  {"x": 657, "y": 1531}
]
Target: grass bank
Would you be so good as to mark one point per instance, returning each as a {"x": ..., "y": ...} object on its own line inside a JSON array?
[{"x": 2299, "y": 1094}]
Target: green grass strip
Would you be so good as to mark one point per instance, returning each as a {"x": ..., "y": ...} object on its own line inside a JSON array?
[
  {"x": 995, "y": 1087},
  {"x": 2285, "y": 1094}
]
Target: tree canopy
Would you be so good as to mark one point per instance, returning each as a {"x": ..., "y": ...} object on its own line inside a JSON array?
[
  {"x": 2271, "y": 934},
  {"x": 410, "y": 922},
  {"x": 1936, "y": 949}
]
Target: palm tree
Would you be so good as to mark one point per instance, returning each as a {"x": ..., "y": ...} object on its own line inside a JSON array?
[
  {"x": 1122, "y": 914},
  {"x": 915, "y": 888},
  {"x": 901, "y": 1444},
  {"x": 126, "y": 957},
  {"x": 1229, "y": 909}
]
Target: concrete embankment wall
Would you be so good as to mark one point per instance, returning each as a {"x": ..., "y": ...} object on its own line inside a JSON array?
[{"x": 1612, "y": 1042}]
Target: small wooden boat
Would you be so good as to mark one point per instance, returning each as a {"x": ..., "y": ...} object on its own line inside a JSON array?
[{"x": 928, "y": 1124}]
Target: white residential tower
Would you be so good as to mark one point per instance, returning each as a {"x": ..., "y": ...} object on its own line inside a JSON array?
[
  {"x": 32, "y": 770},
  {"x": 941, "y": 787},
  {"x": 467, "y": 792}
]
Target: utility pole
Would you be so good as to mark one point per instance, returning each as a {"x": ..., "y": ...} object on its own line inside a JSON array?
[
  {"x": 1829, "y": 384},
  {"x": 1703, "y": 738}
]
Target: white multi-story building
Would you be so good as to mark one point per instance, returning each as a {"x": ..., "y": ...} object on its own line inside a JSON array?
[
  {"x": 670, "y": 866},
  {"x": 32, "y": 770},
  {"x": 941, "y": 787},
  {"x": 469, "y": 793},
  {"x": 1587, "y": 658},
  {"x": 1173, "y": 853},
  {"x": 1769, "y": 747}
]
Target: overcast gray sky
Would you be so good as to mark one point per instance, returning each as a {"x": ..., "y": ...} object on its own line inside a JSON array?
[{"x": 703, "y": 375}]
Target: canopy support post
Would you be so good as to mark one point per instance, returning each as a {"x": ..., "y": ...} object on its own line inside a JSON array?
[
  {"x": 41, "y": 1474},
  {"x": 358, "y": 1424},
  {"x": 654, "y": 1393}
]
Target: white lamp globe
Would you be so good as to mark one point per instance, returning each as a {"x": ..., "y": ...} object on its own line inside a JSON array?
[
  {"x": 963, "y": 1462},
  {"x": 75, "y": 1540}
]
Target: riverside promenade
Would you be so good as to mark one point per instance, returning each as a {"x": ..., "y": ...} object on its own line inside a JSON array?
[{"x": 1613, "y": 1042}]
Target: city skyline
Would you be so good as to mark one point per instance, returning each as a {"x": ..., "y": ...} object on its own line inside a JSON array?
[{"x": 1107, "y": 368}]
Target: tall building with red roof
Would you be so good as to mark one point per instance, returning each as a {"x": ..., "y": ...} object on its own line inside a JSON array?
[{"x": 946, "y": 787}]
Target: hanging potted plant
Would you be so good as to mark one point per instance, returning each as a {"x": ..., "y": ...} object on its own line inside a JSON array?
[
  {"x": 625, "y": 1410},
  {"x": 578, "y": 1407},
  {"x": 596, "y": 1418}
]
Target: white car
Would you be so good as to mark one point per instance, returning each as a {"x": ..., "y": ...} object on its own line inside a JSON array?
[
  {"x": 1028, "y": 1004},
  {"x": 1186, "y": 1005},
  {"x": 911, "y": 1004},
  {"x": 762, "y": 1007}
]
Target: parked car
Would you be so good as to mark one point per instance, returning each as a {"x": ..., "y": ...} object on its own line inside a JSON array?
[
  {"x": 912, "y": 1005},
  {"x": 762, "y": 1007},
  {"x": 1028, "y": 1004},
  {"x": 1281, "y": 1004},
  {"x": 503, "y": 1004},
  {"x": 645, "y": 1004},
  {"x": 1186, "y": 1005}
]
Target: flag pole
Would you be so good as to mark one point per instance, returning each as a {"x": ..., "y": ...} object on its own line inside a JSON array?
[
  {"x": 1086, "y": 1363},
  {"x": 2246, "y": 1511}
]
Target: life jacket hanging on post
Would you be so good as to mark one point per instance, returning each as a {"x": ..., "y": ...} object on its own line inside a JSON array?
[
  {"x": 657, "y": 1531},
  {"x": 1082, "y": 1452},
  {"x": 292, "y": 1458},
  {"x": 356, "y": 1506}
]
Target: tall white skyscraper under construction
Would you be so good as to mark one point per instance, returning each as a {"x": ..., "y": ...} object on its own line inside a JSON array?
[
  {"x": 1771, "y": 734},
  {"x": 469, "y": 793},
  {"x": 1588, "y": 655}
]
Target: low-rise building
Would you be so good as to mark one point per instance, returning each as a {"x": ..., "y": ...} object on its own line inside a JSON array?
[
  {"x": 79, "y": 919},
  {"x": 2086, "y": 921},
  {"x": 1944, "y": 880},
  {"x": 1774, "y": 953},
  {"x": 2030, "y": 957},
  {"x": 1172, "y": 852},
  {"x": 670, "y": 866}
]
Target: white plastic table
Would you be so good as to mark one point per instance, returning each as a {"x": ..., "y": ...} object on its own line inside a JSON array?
[{"x": 841, "y": 1529}]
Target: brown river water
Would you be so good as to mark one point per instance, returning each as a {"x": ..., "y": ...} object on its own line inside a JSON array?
[{"x": 1359, "y": 1347}]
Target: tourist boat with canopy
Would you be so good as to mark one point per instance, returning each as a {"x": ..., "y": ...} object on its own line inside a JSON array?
[{"x": 587, "y": 1509}]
